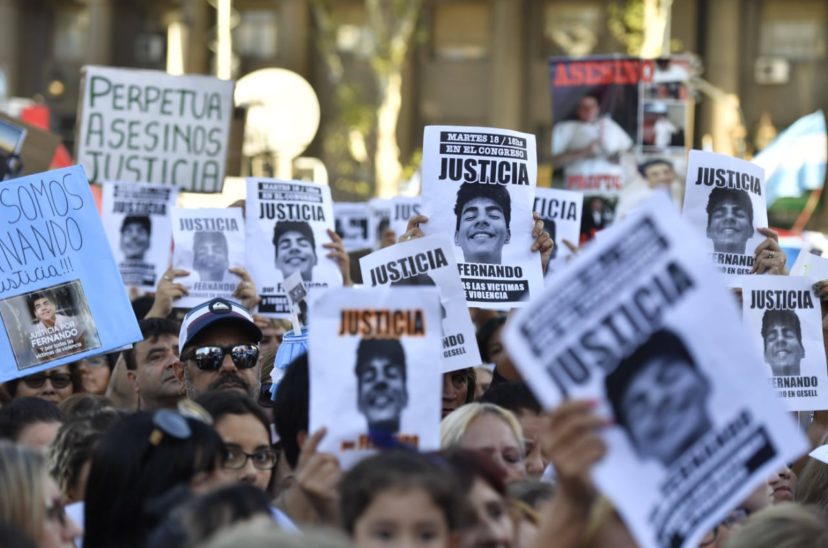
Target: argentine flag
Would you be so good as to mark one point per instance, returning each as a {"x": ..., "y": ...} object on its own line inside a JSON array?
[{"x": 795, "y": 161}]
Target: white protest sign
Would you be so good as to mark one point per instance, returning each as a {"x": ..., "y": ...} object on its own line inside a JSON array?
[
  {"x": 724, "y": 198},
  {"x": 61, "y": 295},
  {"x": 375, "y": 367},
  {"x": 783, "y": 316},
  {"x": 146, "y": 125},
  {"x": 402, "y": 208},
  {"x": 356, "y": 224},
  {"x": 560, "y": 211},
  {"x": 208, "y": 242},
  {"x": 136, "y": 217},
  {"x": 429, "y": 261},
  {"x": 479, "y": 187},
  {"x": 640, "y": 322},
  {"x": 287, "y": 224},
  {"x": 820, "y": 454}
]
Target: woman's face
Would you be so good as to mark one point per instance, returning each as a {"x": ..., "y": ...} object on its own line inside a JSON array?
[
  {"x": 94, "y": 374},
  {"x": 493, "y": 527},
  {"x": 59, "y": 531},
  {"x": 402, "y": 517},
  {"x": 455, "y": 390},
  {"x": 492, "y": 435},
  {"x": 244, "y": 435},
  {"x": 782, "y": 485},
  {"x": 54, "y": 385}
]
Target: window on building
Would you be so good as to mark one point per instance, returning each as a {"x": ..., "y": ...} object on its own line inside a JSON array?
[
  {"x": 71, "y": 34},
  {"x": 256, "y": 35},
  {"x": 572, "y": 28},
  {"x": 462, "y": 31},
  {"x": 794, "y": 29}
]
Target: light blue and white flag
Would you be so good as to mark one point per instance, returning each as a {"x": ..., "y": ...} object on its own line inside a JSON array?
[{"x": 795, "y": 161}]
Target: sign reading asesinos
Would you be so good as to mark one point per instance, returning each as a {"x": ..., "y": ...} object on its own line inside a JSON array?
[{"x": 140, "y": 125}]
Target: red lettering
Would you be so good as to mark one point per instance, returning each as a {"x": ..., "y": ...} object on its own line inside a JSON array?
[{"x": 602, "y": 73}]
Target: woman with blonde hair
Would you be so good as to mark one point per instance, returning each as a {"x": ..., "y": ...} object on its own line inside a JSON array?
[
  {"x": 490, "y": 429},
  {"x": 30, "y": 498}
]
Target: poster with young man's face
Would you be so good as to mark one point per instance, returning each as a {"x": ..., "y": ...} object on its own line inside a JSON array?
[
  {"x": 61, "y": 295},
  {"x": 375, "y": 369},
  {"x": 136, "y": 217},
  {"x": 429, "y": 261},
  {"x": 560, "y": 211},
  {"x": 479, "y": 187},
  {"x": 724, "y": 198},
  {"x": 640, "y": 323},
  {"x": 783, "y": 316},
  {"x": 208, "y": 242},
  {"x": 287, "y": 227}
]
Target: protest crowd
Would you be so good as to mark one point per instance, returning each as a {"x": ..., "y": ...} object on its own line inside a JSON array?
[{"x": 479, "y": 378}]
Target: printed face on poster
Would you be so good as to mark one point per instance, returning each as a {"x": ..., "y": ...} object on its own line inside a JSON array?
[
  {"x": 560, "y": 211},
  {"x": 429, "y": 261},
  {"x": 207, "y": 243},
  {"x": 286, "y": 226},
  {"x": 136, "y": 217},
  {"x": 143, "y": 125},
  {"x": 61, "y": 296},
  {"x": 658, "y": 345},
  {"x": 652, "y": 172},
  {"x": 375, "y": 367},
  {"x": 783, "y": 316},
  {"x": 724, "y": 198},
  {"x": 595, "y": 109},
  {"x": 479, "y": 186},
  {"x": 356, "y": 224}
]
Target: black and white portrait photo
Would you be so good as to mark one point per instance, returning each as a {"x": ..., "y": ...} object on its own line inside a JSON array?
[
  {"x": 659, "y": 397},
  {"x": 135, "y": 237},
  {"x": 729, "y": 220},
  {"x": 295, "y": 249},
  {"x": 782, "y": 337},
  {"x": 482, "y": 228},
  {"x": 381, "y": 383},
  {"x": 210, "y": 256}
]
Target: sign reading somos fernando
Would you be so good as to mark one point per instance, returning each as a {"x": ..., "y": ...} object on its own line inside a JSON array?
[{"x": 142, "y": 125}]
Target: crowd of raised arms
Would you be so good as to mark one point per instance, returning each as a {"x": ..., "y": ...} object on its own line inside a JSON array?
[{"x": 179, "y": 441}]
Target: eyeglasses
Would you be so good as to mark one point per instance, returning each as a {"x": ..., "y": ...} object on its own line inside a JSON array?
[
  {"x": 59, "y": 380},
  {"x": 263, "y": 459},
  {"x": 210, "y": 358}
]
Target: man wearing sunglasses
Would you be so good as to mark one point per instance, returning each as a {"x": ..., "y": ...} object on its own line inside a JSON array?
[{"x": 219, "y": 349}]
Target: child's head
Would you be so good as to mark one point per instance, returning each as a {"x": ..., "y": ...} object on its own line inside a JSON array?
[{"x": 398, "y": 497}]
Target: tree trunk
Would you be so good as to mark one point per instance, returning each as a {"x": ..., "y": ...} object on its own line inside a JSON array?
[{"x": 387, "y": 167}]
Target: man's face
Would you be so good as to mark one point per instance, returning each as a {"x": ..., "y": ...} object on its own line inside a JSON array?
[
  {"x": 659, "y": 175},
  {"x": 210, "y": 255},
  {"x": 588, "y": 109},
  {"x": 154, "y": 375},
  {"x": 135, "y": 240},
  {"x": 729, "y": 224},
  {"x": 664, "y": 407},
  {"x": 381, "y": 389},
  {"x": 482, "y": 228},
  {"x": 295, "y": 253},
  {"x": 228, "y": 376},
  {"x": 44, "y": 310},
  {"x": 782, "y": 347}
]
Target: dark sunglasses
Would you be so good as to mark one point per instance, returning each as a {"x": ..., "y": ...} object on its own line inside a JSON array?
[
  {"x": 209, "y": 358},
  {"x": 59, "y": 380}
]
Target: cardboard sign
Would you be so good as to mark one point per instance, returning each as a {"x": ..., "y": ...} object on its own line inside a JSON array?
[
  {"x": 375, "y": 368},
  {"x": 429, "y": 261},
  {"x": 136, "y": 217},
  {"x": 783, "y": 316},
  {"x": 479, "y": 187},
  {"x": 61, "y": 296},
  {"x": 143, "y": 125},
  {"x": 287, "y": 224},
  {"x": 207, "y": 242},
  {"x": 642, "y": 324}
]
